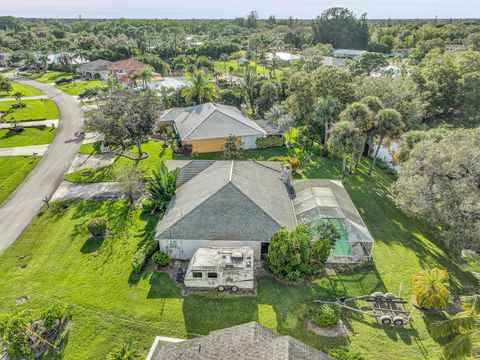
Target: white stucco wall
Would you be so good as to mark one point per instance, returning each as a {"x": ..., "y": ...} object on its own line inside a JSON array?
[
  {"x": 184, "y": 249},
  {"x": 249, "y": 142}
]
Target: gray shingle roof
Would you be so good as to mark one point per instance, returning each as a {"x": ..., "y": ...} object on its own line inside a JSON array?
[
  {"x": 209, "y": 121},
  {"x": 239, "y": 200},
  {"x": 96, "y": 65},
  {"x": 250, "y": 341}
]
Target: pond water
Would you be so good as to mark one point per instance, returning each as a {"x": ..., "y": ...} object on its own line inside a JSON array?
[{"x": 388, "y": 148}]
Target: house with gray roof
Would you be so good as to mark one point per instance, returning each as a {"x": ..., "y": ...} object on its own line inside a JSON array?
[
  {"x": 225, "y": 204},
  {"x": 347, "y": 53},
  {"x": 250, "y": 341},
  {"x": 243, "y": 203},
  {"x": 97, "y": 69},
  {"x": 207, "y": 126}
]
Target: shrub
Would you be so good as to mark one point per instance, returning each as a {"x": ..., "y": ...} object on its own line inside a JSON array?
[
  {"x": 282, "y": 159},
  {"x": 295, "y": 163},
  {"x": 187, "y": 150},
  {"x": 268, "y": 142},
  {"x": 326, "y": 315},
  {"x": 143, "y": 253},
  {"x": 97, "y": 227},
  {"x": 161, "y": 258}
]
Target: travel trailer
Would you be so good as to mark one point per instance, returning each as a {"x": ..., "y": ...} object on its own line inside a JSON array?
[{"x": 221, "y": 269}]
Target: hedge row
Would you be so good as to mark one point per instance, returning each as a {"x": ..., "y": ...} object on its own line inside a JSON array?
[
  {"x": 143, "y": 253},
  {"x": 268, "y": 142}
]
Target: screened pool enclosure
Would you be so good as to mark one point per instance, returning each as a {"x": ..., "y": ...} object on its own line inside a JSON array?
[{"x": 319, "y": 200}]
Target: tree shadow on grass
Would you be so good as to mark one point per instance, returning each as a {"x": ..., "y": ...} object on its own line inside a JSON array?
[
  {"x": 207, "y": 312},
  {"x": 161, "y": 286},
  {"x": 92, "y": 245}
]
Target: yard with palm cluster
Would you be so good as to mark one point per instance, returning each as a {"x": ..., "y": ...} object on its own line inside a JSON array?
[{"x": 56, "y": 261}]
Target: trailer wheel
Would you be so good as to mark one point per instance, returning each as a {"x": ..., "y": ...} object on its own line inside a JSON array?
[
  {"x": 399, "y": 321},
  {"x": 234, "y": 288},
  {"x": 386, "y": 320},
  {"x": 221, "y": 288}
]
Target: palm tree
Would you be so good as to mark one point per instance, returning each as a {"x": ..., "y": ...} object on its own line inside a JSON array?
[
  {"x": 327, "y": 110},
  {"x": 388, "y": 123},
  {"x": 202, "y": 89},
  {"x": 343, "y": 139},
  {"x": 124, "y": 352},
  {"x": 145, "y": 75},
  {"x": 431, "y": 289},
  {"x": 463, "y": 329},
  {"x": 224, "y": 58},
  {"x": 362, "y": 117},
  {"x": 161, "y": 186},
  {"x": 273, "y": 66},
  {"x": 249, "y": 85},
  {"x": 375, "y": 105}
]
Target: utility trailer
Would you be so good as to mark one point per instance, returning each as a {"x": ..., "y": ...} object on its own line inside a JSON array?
[
  {"x": 221, "y": 269},
  {"x": 387, "y": 308}
]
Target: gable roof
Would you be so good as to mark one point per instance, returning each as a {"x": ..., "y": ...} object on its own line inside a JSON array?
[
  {"x": 222, "y": 198},
  {"x": 248, "y": 341},
  {"x": 211, "y": 120},
  {"x": 128, "y": 65},
  {"x": 96, "y": 65}
]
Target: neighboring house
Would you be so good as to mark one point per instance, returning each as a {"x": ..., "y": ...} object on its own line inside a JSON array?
[
  {"x": 285, "y": 58},
  {"x": 207, "y": 126},
  {"x": 174, "y": 83},
  {"x": 392, "y": 71},
  {"x": 250, "y": 341},
  {"x": 243, "y": 203},
  {"x": 123, "y": 70},
  {"x": 347, "y": 53},
  {"x": 225, "y": 204},
  {"x": 97, "y": 69},
  {"x": 56, "y": 59},
  {"x": 332, "y": 61}
]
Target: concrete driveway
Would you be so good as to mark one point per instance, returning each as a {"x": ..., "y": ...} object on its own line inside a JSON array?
[{"x": 23, "y": 205}]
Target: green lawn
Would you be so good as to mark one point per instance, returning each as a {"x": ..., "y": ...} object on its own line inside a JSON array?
[
  {"x": 26, "y": 90},
  {"x": 64, "y": 265},
  {"x": 153, "y": 148},
  {"x": 91, "y": 148},
  {"x": 13, "y": 169},
  {"x": 261, "y": 69},
  {"x": 29, "y": 136},
  {"x": 35, "y": 110},
  {"x": 80, "y": 86},
  {"x": 49, "y": 76}
]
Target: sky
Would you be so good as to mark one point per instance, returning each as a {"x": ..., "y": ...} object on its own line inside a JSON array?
[{"x": 187, "y": 9}]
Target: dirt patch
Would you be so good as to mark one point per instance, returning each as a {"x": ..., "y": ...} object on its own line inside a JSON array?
[
  {"x": 21, "y": 300},
  {"x": 336, "y": 331}
]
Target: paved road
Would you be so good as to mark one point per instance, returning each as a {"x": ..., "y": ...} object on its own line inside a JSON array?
[
  {"x": 23, "y": 205},
  {"x": 24, "y": 150}
]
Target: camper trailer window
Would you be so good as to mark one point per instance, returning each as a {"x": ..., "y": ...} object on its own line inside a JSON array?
[
  {"x": 212, "y": 275},
  {"x": 197, "y": 274}
]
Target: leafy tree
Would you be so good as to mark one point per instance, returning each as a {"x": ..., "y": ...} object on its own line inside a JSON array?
[
  {"x": 462, "y": 330},
  {"x": 333, "y": 81},
  {"x": 388, "y": 123},
  {"x": 13, "y": 336},
  {"x": 297, "y": 254},
  {"x": 269, "y": 94},
  {"x": 202, "y": 89},
  {"x": 327, "y": 111},
  {"x": 344, "y": 140},
  {"x": 438, "y": 184},
  {"x": 339, "y": 27},
  {"x": 18, "y": 96},
  {"x": 232, "y": 150},
  {"x": 233, "y": 95},
  {"x": 431, "y": 289},
  {"x": 5, "y": 84},
  {"x": 161, "y": 186},
  {"x": 224, "y": 58},
  {"x": 129, "y": 180},
  {"x": 57, "y": 317},
  {"x": 126, "y": 115},
  {"x": 124, "y": 352},
  {"x": 468, "y": 96},
  {"x": 300, "y": 99},
  {"x": 362, "y": 117},
  {"x": 367, "y": 63}
]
